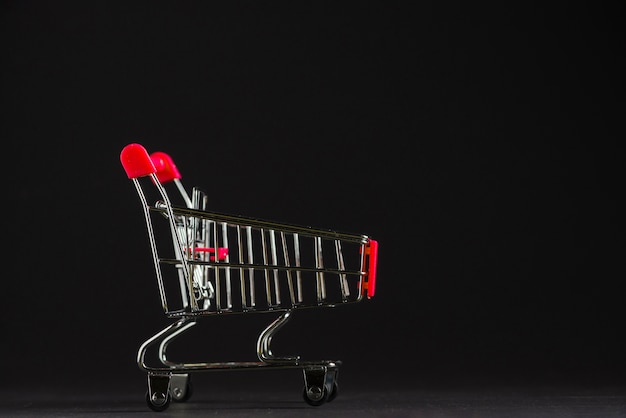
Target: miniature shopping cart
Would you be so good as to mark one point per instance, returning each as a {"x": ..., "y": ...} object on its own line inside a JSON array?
[{"x": 209, "y": 263}]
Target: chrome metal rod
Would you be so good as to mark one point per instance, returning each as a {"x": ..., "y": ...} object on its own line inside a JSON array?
[
  {"x": 251, "y": 270},
  {"x": 229, "y": 298},
  {"x": 242, "y": 281},
  {"x": 286, "y": 259},
  {"x": 275, "y": 263},
  {"x": 258, "y": 223},
  {"x": 345, "y": 289},
  {"x": 169, "y": 337},
  {"x": 218, "y": 287},
  {"x": 174, "y": 328},
  {"x": 296, "y": 248},
  {"x": 153, "y": 245},
  {"x": 224, "y": 266},
  {"x": 264, "y": 351},
  {"x": 319, "y": 264},
  {"x": 184, "y": 194},
  {"x": 268, "y": 288},
  {"x": 172, "y": 222},
  {"x": 206, "y": 271}
]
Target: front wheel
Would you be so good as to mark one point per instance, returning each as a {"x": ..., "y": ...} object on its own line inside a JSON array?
[
  {"x": 333, "y": 393},
  {"x": 156, "y": 402},
  {"x": 315, "y": 396}
]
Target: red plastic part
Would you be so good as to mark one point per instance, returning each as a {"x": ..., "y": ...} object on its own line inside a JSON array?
[
  {"x": 165, "y": 168},
  {"x": 371, "y": 251},
  {"x": 136, "y": 161},
  {"x": 222, "y": 252}
]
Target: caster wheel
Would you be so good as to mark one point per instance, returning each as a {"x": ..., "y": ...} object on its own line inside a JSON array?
[
  {"x": 315, "y": 396},
  {"x": 157, "y": 403},
  {"x": 180, "y": 396},
  {"x": 333, "y": 393}
]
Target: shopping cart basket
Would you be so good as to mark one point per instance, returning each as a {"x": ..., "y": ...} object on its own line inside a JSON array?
[{"x": 210, "y": 263}]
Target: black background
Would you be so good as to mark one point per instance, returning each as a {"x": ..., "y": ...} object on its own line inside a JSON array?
[{"x": 476, "y": 142}]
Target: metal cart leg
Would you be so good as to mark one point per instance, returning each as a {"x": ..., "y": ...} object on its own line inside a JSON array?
[
  {"x": 264, "y": 352},
  {"x": 163, "y": 386},
  {"x": 165, "y": 335}
]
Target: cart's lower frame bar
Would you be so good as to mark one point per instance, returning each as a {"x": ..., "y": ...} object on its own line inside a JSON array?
[
  {"x": 264, "y": 353},
  {"x": 241, "y": 365}
]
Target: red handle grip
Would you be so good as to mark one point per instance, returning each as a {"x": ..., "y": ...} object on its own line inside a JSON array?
[
  {"x": 165, "y": 168},
  {"x": 136, "y": 161}
]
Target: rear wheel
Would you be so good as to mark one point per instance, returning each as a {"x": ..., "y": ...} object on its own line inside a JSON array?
[
  {"x": 182, "y": 394},
  {"x": 333, "y": 393}
]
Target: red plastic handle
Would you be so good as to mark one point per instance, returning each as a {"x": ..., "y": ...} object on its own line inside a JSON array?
[
  {"x": 371, "y": 250},
  {"x": 165, "y": 168},
  {"x": 136, "y": 161}
]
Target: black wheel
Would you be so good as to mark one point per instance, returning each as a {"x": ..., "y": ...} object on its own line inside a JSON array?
[
  {"x": 158, "y": 407},
  {"x": 333, "y": 393},
  {"x": 314, "y": 397},
  {"x": 186, "y": 396}
]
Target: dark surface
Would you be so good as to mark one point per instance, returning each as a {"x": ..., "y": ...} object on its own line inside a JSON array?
[
  {"x": 476, "y": 142},
  {"x": 249, "y": 400}
]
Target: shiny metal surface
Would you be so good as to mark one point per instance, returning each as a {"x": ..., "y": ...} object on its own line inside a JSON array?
[{"x": 210, "y": 263}]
